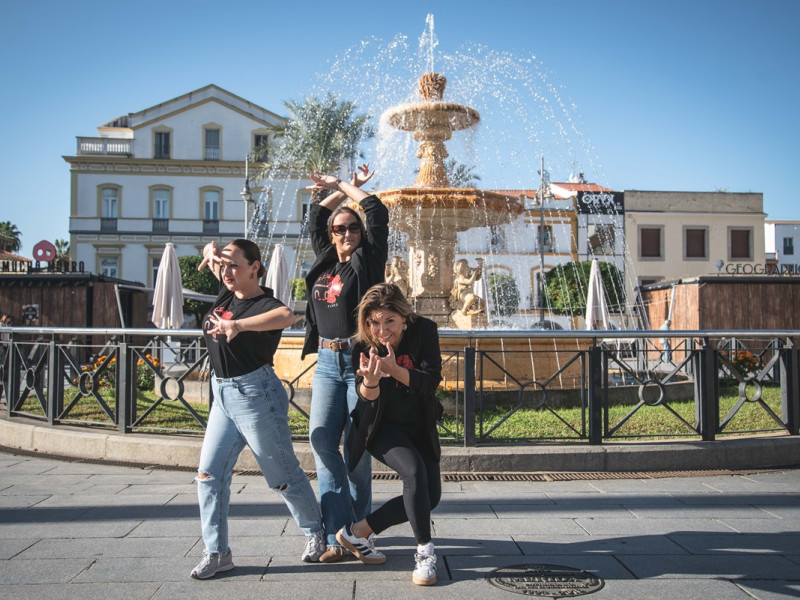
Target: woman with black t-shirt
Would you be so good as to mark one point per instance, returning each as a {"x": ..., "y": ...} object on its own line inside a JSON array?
[
  {"x": 250, "y": 405},
  {"x": 350, "y": 259},
  {"x": 398, "y": 368}
]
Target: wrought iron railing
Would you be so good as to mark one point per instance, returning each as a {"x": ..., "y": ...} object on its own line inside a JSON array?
[{"x": 582, "y": 387}]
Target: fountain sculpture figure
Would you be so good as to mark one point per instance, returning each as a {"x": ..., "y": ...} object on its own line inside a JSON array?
[{"x": 432, "y": 212}]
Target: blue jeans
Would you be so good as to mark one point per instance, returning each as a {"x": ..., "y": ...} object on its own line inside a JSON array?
[
  {"x": 251, "y": 409},
  {"x": 344, "y": 497}
]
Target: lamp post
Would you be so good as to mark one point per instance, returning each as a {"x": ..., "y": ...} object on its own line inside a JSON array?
[
  {"x": 542, "y": 194},
  {"x": 246, "y": 194}
]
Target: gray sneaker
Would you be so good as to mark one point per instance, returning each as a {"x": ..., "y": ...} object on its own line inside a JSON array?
[
  {"x": 315, "y": 547},
  {"x": 212, "y": 564}
]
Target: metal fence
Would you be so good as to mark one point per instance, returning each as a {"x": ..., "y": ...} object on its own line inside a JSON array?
[{"x": 498, "y": 386}]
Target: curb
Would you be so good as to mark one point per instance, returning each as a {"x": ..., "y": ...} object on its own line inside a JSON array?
[{"x": 180, "y": 451}]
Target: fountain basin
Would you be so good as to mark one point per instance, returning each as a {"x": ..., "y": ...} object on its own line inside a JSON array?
[{"x": 445, "y": 117}]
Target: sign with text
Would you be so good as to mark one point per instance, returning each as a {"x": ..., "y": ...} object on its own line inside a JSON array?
[{"x": 603, "y": 203}]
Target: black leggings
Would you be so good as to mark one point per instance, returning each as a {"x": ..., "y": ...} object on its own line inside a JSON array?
[{"x": 422, "y": 484}]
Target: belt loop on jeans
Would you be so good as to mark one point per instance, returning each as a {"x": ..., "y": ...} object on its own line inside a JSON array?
[{"x": 336, "y": 345}]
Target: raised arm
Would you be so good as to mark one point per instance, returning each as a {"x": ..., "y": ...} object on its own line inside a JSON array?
[
  {"x": 342, "y": 189},
  {"x": 211, "y": 258}
]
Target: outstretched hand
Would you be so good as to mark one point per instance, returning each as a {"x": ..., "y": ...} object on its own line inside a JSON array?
[
  {"x": 322, "y": 181},
  {"x": 211, "y": 257},
  {"x": 359, "y": 180},
  {"x": 220, "y": 326},
  {"x": 370, "y": 368}
]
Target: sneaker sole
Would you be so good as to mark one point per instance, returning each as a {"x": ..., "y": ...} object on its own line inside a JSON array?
[
  {"x": 219, "y": 570},
  {"x": 367, "y": 560},
  {"x": 420, "y": 581}
]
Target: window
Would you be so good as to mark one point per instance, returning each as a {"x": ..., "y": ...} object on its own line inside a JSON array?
[
  {"x": 260, "y": 146},
  {"x": 109, "y": 267},
  {"x": 211, "y": 205},
  {"x": 161, "y": 143},
  {"x": 161, "y": 204},
  {"x": 110, "y": 199},
  {"x": 788, "y": 246},
  {"x": 695, "y": 242},
  {"x": 156, "y": 261},
  {"x": 600, "y": 239},
  {"x": 305, "y": 207},
  {"x": 212, "y": 144},
  {"x": 497, "y": 238},
  {"x": 650, "y": 242},
  {"x": 546, "y": 239},
  {"x": 741, "y": 245}
]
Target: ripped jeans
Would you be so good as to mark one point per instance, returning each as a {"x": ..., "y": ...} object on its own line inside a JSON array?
[{"x": 251, "y": 409}]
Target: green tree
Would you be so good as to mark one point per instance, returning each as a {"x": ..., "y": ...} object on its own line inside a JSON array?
[
  {"x": 318, "y": 135},
  {"x": 504, "y": 292},
  {"x": 202, "y": 282},
  {"x": 566, "y": 287},
  {"x": 460, "y": 175},
  {"x": 10, "y": 237},
  {"x": 62, "y": 250}
]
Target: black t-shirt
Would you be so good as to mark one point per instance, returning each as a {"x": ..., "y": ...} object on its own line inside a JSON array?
[
  {"x": 249, "y": 350},
  {"x": 335, "y": 298}
]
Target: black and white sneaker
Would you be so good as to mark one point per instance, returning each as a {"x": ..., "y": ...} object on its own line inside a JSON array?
[{"x": 362, "y": 548}]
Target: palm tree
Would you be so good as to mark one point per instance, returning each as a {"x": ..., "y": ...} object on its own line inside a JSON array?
[
  {"x": 10, "y": 237},
  {"x": 460, "y": 175},
  {"x": 318, "y": 135},
  {"x": 62, "y": 250}
]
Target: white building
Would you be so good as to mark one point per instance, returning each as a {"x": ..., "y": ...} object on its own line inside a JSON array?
[
  {"x": 782, "y": 242},
  {"x": 173, "y": 172}
]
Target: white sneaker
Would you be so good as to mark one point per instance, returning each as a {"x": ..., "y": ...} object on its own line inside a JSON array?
[
  {"x": 425, "y": 569},
  {"x": 363, "y": 548},
  {"x": 315, "y": 547},
  {"x": 213, "y": 563}
]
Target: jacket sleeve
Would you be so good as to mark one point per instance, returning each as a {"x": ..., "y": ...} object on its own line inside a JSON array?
[
  {"x": 377, "y": 216},
  {"x": 318, "y": 228},
  {"x": 426, "y": 379}
]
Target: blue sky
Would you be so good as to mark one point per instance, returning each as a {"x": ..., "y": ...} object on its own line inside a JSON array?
[{"x": 686, "y": 96}]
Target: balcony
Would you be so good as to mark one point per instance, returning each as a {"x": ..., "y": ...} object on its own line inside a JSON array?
[
  {"x": 160, "y": 225},
  {"x": 210, "y": 226},
  {"x": 108, "y": 224},
  {"x": 105, "y": 146}
]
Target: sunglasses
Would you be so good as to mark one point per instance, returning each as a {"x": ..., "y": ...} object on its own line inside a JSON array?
[{"x": 354, "y": 227}]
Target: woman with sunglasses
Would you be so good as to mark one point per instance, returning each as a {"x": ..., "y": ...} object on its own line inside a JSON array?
[{"x": 350, "y": 258}]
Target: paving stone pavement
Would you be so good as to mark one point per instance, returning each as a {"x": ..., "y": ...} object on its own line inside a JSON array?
[{"x": 74, "y": 530}]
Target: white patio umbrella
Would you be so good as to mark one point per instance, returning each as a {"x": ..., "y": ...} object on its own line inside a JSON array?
[
  {"x": 596, "y": 306},
  {"x": 277, "y": 276},
  {"x": 168, "y": 292}
]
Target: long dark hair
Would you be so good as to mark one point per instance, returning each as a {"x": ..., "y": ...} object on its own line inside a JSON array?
[
  {"x": 380, "y": 297},
  {"x": 251, "y": 252}
]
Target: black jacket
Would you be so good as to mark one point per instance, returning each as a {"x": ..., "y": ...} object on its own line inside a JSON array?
[
  {"x": 368, "y": 260},
  {"x": 421, "y": 343}
]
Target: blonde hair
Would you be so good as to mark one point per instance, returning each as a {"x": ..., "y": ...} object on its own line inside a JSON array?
[{"x": 380, "y": 297}]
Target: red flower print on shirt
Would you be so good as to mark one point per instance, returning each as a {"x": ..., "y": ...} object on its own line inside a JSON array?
[
  {"x": 334, "y": 289},
  {"x": 404, "y": 360}
]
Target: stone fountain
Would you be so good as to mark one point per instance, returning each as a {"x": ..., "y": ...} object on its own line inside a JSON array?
[{"x": 432, "y": 212}]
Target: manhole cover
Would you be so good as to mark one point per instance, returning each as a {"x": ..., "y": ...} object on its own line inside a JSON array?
[{"x": 548, "y": 581}]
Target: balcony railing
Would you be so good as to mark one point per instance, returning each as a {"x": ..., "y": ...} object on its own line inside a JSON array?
[
  {"x": 160, "y": 225},
  {"x": 108, "y": 224},
  {"x": 105, "y": 146},
  {"x": 623, "y": 386},
  {"x": 210, "y": 226}
]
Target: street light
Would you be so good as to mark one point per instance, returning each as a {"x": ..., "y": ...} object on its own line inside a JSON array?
[
  {"x": 246, "y": 194},
  {"x": 542, "y": 194}
]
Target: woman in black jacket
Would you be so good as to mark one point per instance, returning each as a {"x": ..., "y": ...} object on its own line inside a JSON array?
[{"x": 398, "y": 369}]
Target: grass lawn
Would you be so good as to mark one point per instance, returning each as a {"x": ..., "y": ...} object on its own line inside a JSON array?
[{"x": 525, "y": 424}]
